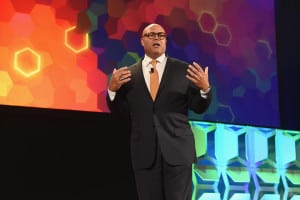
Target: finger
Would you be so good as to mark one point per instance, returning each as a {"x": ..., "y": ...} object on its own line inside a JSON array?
[
  {"x": 197, "y": 70},
  {"x": 124, "y": 74},
  {"x": 123, "y": 77},
  {"x": 193, "y": 75},
  {"x": 191, "y": 79},
  {"x": 123, "y": 69},
  {"x": 124, "y": 80},
  {"x": 191, "y": 72},
  {"x": 198, "y": 67},
  {"x": 193, "y": 69},
  {"x": 206, "y": 70},
  {"x": 115, "y": 75}
]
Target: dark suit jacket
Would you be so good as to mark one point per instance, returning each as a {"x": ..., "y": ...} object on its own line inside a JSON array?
[{"x": 165, "y": 119}]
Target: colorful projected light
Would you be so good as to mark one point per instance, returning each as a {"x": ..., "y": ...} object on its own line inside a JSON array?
[
  {"x": 245, "y": 163},
  {"x": 59, "y": 54},
  {"x": 46, "y": 60},
  {"x": 70, "y": 41},
  {"x": 27, "y": 62}
]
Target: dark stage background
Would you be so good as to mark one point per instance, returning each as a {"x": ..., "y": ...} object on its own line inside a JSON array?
[
  {"x": 288, "y": 30},
  {"x": 56, "y": 154},
  {"x": 60, "y": 154}
]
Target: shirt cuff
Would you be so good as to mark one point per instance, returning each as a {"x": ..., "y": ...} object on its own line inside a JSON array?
[
  {"x": 111, "y": 94},
  {"x": 204, "y": 93}
]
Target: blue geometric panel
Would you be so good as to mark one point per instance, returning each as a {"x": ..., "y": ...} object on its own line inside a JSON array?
[{"x": 245, "y": 162}]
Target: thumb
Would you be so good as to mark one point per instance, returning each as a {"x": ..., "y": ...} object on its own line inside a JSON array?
[{"x": 206, "y": 70}]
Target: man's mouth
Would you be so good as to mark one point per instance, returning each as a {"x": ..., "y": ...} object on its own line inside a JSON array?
[{"x": 156, "y": 45}]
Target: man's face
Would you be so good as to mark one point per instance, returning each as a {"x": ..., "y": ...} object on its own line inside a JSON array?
[{"x": 154, "y": 40}]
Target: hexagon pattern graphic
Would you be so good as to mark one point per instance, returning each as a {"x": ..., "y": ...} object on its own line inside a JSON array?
[
  {"x": 62, "y": 52},
  {"x": 27, "y": 62}
]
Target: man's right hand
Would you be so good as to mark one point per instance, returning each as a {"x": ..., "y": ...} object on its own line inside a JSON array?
[{"x": 118, "y": 78}]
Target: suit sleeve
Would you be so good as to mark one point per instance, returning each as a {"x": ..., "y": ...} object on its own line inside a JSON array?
[
  {"x": 197, "y": 103},
  {"x": 119, "y": 105}
]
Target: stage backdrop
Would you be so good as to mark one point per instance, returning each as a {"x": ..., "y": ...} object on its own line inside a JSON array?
[{"x": 60, "y": 53}]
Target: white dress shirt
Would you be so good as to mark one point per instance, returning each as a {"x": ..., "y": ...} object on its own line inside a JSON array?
[{"x": 160, "y": 67}]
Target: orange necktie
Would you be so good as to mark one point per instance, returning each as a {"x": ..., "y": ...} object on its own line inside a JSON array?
[{"x": 154, "y": 80}]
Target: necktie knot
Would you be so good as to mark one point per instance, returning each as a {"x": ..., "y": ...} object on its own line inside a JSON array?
[{"x": 153, "y": 62}]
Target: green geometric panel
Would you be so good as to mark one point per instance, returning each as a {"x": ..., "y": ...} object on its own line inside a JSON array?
[
  {"x": 268, "y": 176},
  {"x": 238, "y": 174},
  {"x": 245, "y": 162},
  {"x": 200, "y": 131},
  {"x": 293, "y": 176},
  {"x": 207, "y": 173},
  {"x": 205, "y": 179}
]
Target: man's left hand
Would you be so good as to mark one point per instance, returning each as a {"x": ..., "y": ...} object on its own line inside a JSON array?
[{"x": 198, "y": 76}]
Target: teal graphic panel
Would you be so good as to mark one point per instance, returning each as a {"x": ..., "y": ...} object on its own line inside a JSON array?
[{"x": 237, "y": 162}]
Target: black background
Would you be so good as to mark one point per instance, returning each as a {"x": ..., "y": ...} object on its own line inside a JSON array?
[{"x": 60, "y": 154}]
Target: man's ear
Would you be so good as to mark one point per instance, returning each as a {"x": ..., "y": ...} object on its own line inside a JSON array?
[{"x": 142, "y": 42}]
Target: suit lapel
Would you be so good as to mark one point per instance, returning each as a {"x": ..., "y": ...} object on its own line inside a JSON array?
[
  {"x": 164, "y": 78},
  {"x": 138, "y": 73}
]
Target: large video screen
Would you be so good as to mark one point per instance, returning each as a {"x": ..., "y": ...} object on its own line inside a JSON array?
[{"x": 59, "y": 54}]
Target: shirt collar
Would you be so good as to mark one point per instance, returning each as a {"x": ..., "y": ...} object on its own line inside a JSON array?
[{"x": 160, "y": 59}]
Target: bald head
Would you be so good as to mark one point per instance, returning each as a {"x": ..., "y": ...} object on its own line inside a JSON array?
[{"x": 152, "y": 26}]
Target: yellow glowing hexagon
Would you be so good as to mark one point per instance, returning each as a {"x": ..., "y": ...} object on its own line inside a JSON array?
[
  {"x": 84, "y": 46},
  {"x": 6, "y": 83},
  {"x": 20, "y": 61}
]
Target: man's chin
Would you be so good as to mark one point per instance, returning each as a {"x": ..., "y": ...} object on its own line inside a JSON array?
[{"x": 157, "y": 53}]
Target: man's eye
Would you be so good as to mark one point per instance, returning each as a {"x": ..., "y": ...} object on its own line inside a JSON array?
[{"x": 151, "y": 34}]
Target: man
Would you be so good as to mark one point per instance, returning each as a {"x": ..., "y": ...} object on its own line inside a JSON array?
[{"x": 162, "y": 143}]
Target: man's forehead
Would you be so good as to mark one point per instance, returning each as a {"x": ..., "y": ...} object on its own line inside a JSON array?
[{"x": 154, "y": 27}]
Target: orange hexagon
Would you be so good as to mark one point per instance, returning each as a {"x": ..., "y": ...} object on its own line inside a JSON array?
[
  {"x": 27, "y": 62},
  {"x": 76, "y": 41}
]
